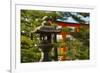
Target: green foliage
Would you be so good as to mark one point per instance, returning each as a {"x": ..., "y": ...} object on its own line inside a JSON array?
[
  {"x": 29, "y": 55},
  {"x": 80, "y": 45},
  {"x": 29, "y": 52},
  {"x": 78, "y": 48},
  {"x": 25, "y": 42},
  {"x": 78, "y": 51}
]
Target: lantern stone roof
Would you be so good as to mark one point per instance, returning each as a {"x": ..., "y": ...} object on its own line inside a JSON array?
[{"x": 47, "y": 29}]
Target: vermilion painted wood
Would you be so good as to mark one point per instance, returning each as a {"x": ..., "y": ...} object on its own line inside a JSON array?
[{"x": 68, "y": 24}]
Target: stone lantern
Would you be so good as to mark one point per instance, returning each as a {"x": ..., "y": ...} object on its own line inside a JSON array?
[{"x": 47, "y": 36}]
